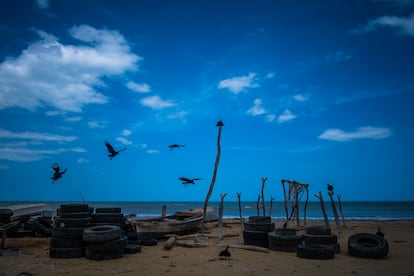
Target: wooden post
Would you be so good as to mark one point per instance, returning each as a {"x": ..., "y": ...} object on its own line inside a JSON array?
[
  {"x": 284, "y": 194},
  {"x": 257, "y": 205},
  {"x": 221, "y": 211},
  {"x": 319, "y": 195},
  {"x": 263, "y": 198},
  {"x": 271, "y": 206},
  {"x": 338, "y": 225},
  {"x": 240, "y": 211},
  {"x": 213, "y": 180},
  {"x": 297, "y": 203},
  {"x": 340, "y": 210},
  {"x": 164, "y": 210},
  {"x": 306, "y": 203}
]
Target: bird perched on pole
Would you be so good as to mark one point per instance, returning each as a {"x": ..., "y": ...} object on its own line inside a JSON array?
[
  {"x": 112, "y": 151},
  {"x": 330, "y": 187},
  {"x": 186, "y": 180},
  {"x": 57, "y": 174},
  {"x": 225, "y": 253}
]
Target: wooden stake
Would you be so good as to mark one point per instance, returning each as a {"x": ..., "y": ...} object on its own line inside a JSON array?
[
  {"x": 257, "y": 205},
  {"x": 240, "y": 211},
  {"x": 271, "y": 206},
  {"x": 340, "y": 210},
  {"x": 263, "y": 198},
  {"x": 319, "y": 195},
  {"x": 221, "y": 211},
  {"x": 338, "y": 225},
  {"x": 285, "y": 196}
]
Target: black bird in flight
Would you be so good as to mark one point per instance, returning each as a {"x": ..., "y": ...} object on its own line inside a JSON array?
[
  {"x": 112, "y": 152},
  {"x": 188, "y": 181},
  {"x": 57, "y": 174},
  {"x": 175, "y": 146},
  {"x": 225, "y": 253},
  {"x": 379, "y": 233},
  {"x": 330, "y": 188}
]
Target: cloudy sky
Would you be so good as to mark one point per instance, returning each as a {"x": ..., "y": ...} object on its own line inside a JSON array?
[{"x": 314, "y": 91}]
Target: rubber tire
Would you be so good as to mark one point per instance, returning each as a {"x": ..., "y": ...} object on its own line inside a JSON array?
[
  {"x": 74, "y": 208},
  {"x": 103, "y": 255},
  {"x": 285, "y": 231},
  {"x": 101, "y": 233},
  {"x": 365, "y": 245},
  {"x": 73, "y": 222},
  {"x": 117, "y": 244},
  {"x": 318, "y": 230},
  {"x": 315, "y": 251},
  {"x": 108, "y": 218},
  {"x": 320, "y": 239},
  {"x": 67, "y": 252},
  {"x": 262, "y": 227},
  {"x": 149, "y": 242},
  {"x": 74, "y": 215},
  {"x": 257, "y": 238},
  {"x": 112, "y": 210},
  {"x": 132, "y": 248},
  {"x": 43, "y": 226},
  {"x": 260, "y": 219},
  {"x": 66, "y": 243},
  {"x": 284, "y": 243},
  {"x": 67, "y": 232}
]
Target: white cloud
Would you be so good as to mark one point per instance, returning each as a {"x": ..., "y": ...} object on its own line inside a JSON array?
[
  {"x": 36, "y": 136},
  {"x": 270, "y": 117},
  {"x": 257, "y": 108},
  {"x": 178, "y": 115},
  {"x": 82, "y": 160},
  {"x": 97, "y": 124},
  {"x": 337, "y": 56},
  {"x": 238, "y": 84},
  {"x": 270, "y": 75},
  {"x": 368, "y": 132},
  {"x": 126, "y": 132},
  {"x": 403, "y": 25},
  {"x": 42, "y": 4},
  {"x": 123, "y": 140},
  {"x": 287, "y": 115},
  {"x": 139, "y": 87},
  {"x": 64, "y": 77},
  {"x": 152, "y": 151},
  {"x": 73, "y": 119},
  {"x": 300, "y": 97},
  {"x": 155, "y": 102}
]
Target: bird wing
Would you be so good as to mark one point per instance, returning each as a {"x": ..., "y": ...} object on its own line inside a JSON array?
[
  {"x": 184, "y": 179},
  {"x": 110, "y": 148},
  {"x": 122, "y": 149},
  {"x": 197, "y": 178}
]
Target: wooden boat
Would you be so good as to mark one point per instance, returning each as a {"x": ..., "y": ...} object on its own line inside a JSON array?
[
  {"x": 179, "y": 223},
  {"x": 34, "y": 209}
]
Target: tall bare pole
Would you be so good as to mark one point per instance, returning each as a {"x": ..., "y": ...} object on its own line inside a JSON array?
[
  {"x": 213, "y": 180},
  {"x": 285, "y": 197},
  {"x": 263, "y": 198},
  {"x": 240, "y": 211},
  {"x": 221, "y": 212},
  {"x": 319, "y": 195}
]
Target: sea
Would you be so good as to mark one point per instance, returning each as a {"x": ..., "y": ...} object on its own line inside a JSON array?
[{"x": 349, "y": 210}]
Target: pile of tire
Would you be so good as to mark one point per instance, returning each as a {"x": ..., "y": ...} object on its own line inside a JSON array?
[
  {"x": 104, "y": 242},
  {"x": 318, "y": 243},
  {"x": 255, "y": 231},
  {"x": 108, "y": 216},
  {"x": 365, "y": 245},
  {"x": 67, "y": 232},
  {"x": 284, "y": 240}
]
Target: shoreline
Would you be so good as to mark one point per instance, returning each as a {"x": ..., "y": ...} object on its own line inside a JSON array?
[{"x": 180, "y": 260}]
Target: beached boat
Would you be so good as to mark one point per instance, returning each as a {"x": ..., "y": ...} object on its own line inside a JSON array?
[{"x": 180, "y": 223}]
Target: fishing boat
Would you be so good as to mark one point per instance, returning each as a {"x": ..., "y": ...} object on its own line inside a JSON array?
[{"x": 179, "y": 223}]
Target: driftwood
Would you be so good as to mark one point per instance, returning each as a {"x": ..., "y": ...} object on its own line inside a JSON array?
[
  {"x": 237, "y": 246},
  {"x": 340, "y": 210},
  {"x": 220, "y": 218},
  {"x": 240, "y": 212},
  {"x": 338, "y": 225},
  {"x": 213, "y": 180},
  {"x": 263, "y": 198},
  {"x": 258, "y": 205},
  {"x": 195, "y": 236},
  {"x": 170, "y": 243},
  {"x": 319, "y": 195},
  {"x": 271, "y": 206}
]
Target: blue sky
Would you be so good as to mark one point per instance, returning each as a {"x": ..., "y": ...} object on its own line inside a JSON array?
[{"x": 314, "y": 91}]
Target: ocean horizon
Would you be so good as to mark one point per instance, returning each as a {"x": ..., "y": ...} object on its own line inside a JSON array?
[{"x": 352, "y": 210}]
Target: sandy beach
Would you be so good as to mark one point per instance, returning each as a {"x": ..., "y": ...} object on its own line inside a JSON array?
[{"x": 31, "y": 255}]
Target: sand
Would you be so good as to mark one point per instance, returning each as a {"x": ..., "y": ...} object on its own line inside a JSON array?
[{"x": 30, "y": 255}]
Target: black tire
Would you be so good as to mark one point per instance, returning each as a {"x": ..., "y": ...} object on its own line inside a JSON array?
[
  {"x": 101, "y": 233},
  {"x": 74, "y": 208},
  {"x": 66, "y": 243},
  {"x": 257, "y": 238},
  {"x": 260, "y": 219},
  {"x": 285, "y": 231},
  {"x": 67, "y": 233},
  {"x": 315, "y": 251},
  {"x": 320, "y": 239},
  {"x": 73, "y": 222},
  {"x": 284, "y": 243},
  {"x": 318, "y": 230},
  {"x": 111, "y": 210},
  {"x": 263, "y": 227},
  {"x": 117, "y": 244},
  {"x": 108, "y": 218},
  {"x": 74, "y": 215},
  {"x": 365, "y": 245},
  {"x": 103, "y": 255},
  {"x": 132, "y": 248},
  {"x": 132, "y": 236},
  {"x": 67, "y": 252},
  {"x": 43, "y": 226},
  {"x": 149, "y": 242}
]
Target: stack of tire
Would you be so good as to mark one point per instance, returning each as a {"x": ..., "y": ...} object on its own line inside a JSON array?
[
  {"x": 68, "y": 227},
  {"x": 256, "y": 230},
  {"x": 318, "y": 243},
  {"x": 284, "y": 240},
  {"x": 108, "y": 216}
]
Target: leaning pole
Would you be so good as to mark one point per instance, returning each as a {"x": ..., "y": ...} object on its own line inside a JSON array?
[{"x": 213, "y": 180}]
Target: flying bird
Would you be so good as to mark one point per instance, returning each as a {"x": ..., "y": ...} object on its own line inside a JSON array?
[
  {"x": 330, "y": 188},
  {"x": 225, "y": 253},
  {"x": 379, "y": 233},
  {"x": 175, "y": 146},
  {"x": 188, "y": 181},
  {"x": 57, "y": 174},
  {"x": 112, "y": 151}
]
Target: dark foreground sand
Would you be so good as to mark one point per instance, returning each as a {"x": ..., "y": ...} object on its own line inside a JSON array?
[{"x": 32, "y": 257}]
